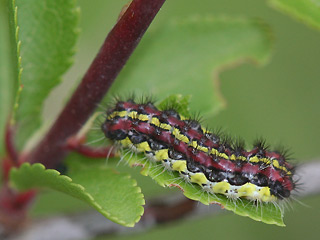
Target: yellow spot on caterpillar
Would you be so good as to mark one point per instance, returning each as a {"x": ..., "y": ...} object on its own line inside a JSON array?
[
  {"x": 223, "y": 155},
  {"x": 126, "y": 142},
  {"x": 204, "y": 149},
  {"x": 276, "y": 164},
  {"x": 155, "y": 121},
  {"x": 143, "y": 147},
  {"x": 179, "y": 165},
  {"x": 214, "y": 151},
  {"x": 221, "y": 187},
  {"x": 264, "y": 194},
  {"x": 195, "y": 145},
  {"x": 122, "y": 113},
  {"x": 283, "y": 168},
  {"x": 117, "y": 114},
  {"x": 133, "y": 115},
  {"x": 234, "y": 158},
  {"x": 179, "y": 136},
  {"x": 241, "y": 158},
  {"x": 247, "y": 190},
  {"x": 165, "y": 126},
  {"x": 161, "y": 154},
  {"x": 266, "y": 161},
  {"x": 112, "y": 115},
  {"x": 143, "y": 117},
  {"x": 183, "y": 138},
  {"x": 199, "y": 178},
  {"x": 176, "y": 132},
  {"x": 254, "y": 159}
]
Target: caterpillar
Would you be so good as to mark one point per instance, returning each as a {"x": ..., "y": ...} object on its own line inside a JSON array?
[{"x": 201, "y": 157}]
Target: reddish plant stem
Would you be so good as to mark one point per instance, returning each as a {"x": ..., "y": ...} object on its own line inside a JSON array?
[
  {"x": 114, "y": 53},
  {"x": 164, "y": 213},
  {"x": 13, "y": 208},
  {"x": 92, "y": 152},
  {"x": 78, "y": 145},
  {"x": 11, "y": 158},
  {"x": 12, "y": 153},
  {"x": 13, "y": 205}
]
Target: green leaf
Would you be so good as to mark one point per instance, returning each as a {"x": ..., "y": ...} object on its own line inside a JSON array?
[
  {"x": 307, "y": 11},
  {"x": 114, "y": 195},
  {"x": 48, "y": 32},
  {"x": 8, "y": 65},
  {"x": 118, "y": 192},
  {"x": 266, "y": 212},
  {"x": 186, "y": 56},
  {"x": 178, "y": 102}
]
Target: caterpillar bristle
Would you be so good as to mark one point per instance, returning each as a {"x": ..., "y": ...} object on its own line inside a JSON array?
[
  {"x": 260, "y": 143},
  {"x": 285, "y": 152},
  {"x": 147, "y": 100},
  {"x": 238, "y": 146},
  {"x": 196, "y": 117}
]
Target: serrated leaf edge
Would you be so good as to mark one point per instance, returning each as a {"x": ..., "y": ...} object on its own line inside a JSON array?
[
  {"x": 93, "y": 203},
  {"x": 69, "y": 61},
  {"x": 18, "y": 60},
  {"x": 145, "y": 170}
]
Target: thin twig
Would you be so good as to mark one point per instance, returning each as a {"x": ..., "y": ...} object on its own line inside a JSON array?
[
  {"x": 76, "y": 145},
  {"x": 12, "y": 153},
  {"x": 114, "y": 53}
]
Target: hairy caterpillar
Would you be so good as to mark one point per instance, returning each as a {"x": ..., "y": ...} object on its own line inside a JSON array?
[{"x": 200, "y": 156}]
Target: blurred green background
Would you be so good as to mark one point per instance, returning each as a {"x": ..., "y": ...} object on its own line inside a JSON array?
[{"x": 282, "y": 106}]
